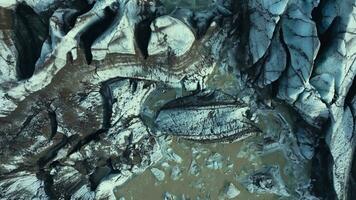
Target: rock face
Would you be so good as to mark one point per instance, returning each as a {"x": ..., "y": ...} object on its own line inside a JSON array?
[
  {"x": 166, "y": 40},
  {"x": 220, "y": 122},
  {"x": 230, "y": 191},
  {"x": 342, "y": 146},
  {"x": 266, "y": 180},
  {"x": 91, "y": 90}
]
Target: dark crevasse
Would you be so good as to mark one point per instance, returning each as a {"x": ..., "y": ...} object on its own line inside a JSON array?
[
  {"x": 321, "y": 172},
  {"x": 351, "y": 95},
  {"x": 352, "y": 189},
  {"x": 143, "y": 35},
  {"x": 94, "y": 31},
  {"x": 31, "y": 30},
  {"x": 82, "y": 6}
]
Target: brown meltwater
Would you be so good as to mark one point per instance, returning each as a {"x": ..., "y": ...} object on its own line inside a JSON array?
[
  {"x": 207, "y": 182},
  {"x": 203, "y": 170}
]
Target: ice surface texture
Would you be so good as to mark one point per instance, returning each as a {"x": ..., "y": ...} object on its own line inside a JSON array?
[{"x": 90, "y": 89}]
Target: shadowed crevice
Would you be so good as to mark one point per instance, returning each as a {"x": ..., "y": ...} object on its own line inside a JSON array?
[
  {"x": 96, "y": 177},
  {"x": 94, "y": 31},
  {"x": 321, "y": 175},
  {"x": 352, "y": 186},
  {"x": 142, "y": 36},
  {"x": 31, "y": 30},
  {"x": 351, "y": 94}
]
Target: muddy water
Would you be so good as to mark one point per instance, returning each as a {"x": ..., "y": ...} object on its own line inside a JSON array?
[
  {"x": 208, "y": 183},
  {"x": 238, "y": 159}
]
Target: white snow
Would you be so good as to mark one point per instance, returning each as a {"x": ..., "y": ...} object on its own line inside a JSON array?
[
  {"x": 325, "y": 84},
  {"x": 119, "y": 38},
  {"x": 8, "y": 58},
  {"x": 84, "y": 193},
  {"x": 214, "y": 161},
  {"x": 341, "y": 142},
  {"x": 231, "y": 191},
  {"x": 170, "y": 35},
  {"x": 26, "y": 184},
  {"x": 42, "y": 78},
  {"x": 37, "y": 5},
  {"x": 158, "y": 174}
]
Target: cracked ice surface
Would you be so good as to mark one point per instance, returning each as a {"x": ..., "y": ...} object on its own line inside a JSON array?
[{"x": 208, "y": 100}]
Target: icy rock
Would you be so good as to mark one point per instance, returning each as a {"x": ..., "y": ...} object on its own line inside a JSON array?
[
  {"x": 8, "y": 58},
  {"x": 84, "y": 192},
  {"x": 149, "y": 152},
  {"x": 342, "y": 145},
  {"x": 306, "y": 143},
  {"x": 35, "y": 138},
  {"x": 22, "y": 186},
  {"x": 352, "y": 186},
  {"x": 120, "y": 36},
  {"x": 8, "y": 4},
  {"x": 214, "y": 161},
  {"x": 165, "y": 165},
  {"x": 176, "y": 173},
  {"x": 44, "y": 140},
  {"x": 192, "y": 66},
  {"x": 265, "y": 180},
  {"x": 65, "y": 177},
  {"x": 294, "y": 85},
  {"x": 341, "y": 48},
  {"x": 264, "y": 17},
  {"x": 38, "y": 5},
  {"x": 274, "y": 64},
  {"x": 92, "y": 101},
  {"x": 185, "y": 197},
  {"x": 87, "y": 125},
  {"x": 194, "y": 168},
  {"x": 198, "y": 151},
  {"x": 300, "y": 36},
  {"x": 128, "y": 97},
  {"x": 158, "y": 174},
  {"x": 169, "y": 196},
  {"x": 171, "y": 155},
  {"x": 311, "y": 108},
  {"x": 170, "y": 35},
  {"x": 325, "y": 85},
  {"x": 339, "y": 52},
  {"x": 59, "y": 25},
  {"x": 231, "y": 191},
  {"x": 44, "y": 76},
  {"x": 206, "y": 122},
  {"x": 106, "y": 187}
]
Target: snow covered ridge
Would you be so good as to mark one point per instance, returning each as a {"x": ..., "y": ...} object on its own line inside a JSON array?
[{"x": 115, "y": 77}]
